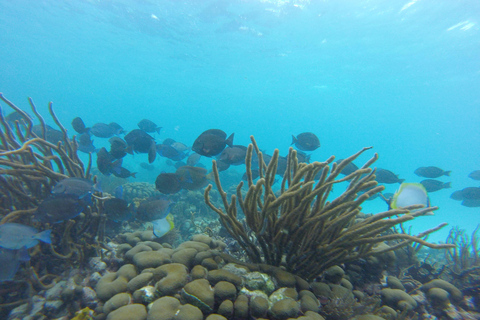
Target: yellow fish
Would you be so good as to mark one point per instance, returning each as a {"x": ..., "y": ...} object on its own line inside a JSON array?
[
  {"x": 409, "y": 194},
  {"x": 163, "y": 226}
]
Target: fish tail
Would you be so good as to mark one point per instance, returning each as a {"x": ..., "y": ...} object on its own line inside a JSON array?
[
  {"x": 447, "y": 173},
  {"x": 133, "y": 174},
  {"x": 447, "y": 185},
  {"x": 401, "y": 181},
  {"x": 294, "y": 140},
  {"x": 229, "y": 141},
  {"x": 158, "y": 129},
  {"x": 44, "y": 236}
]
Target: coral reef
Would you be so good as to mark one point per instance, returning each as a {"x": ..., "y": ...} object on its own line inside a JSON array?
[{"x": 300, "y": 228}]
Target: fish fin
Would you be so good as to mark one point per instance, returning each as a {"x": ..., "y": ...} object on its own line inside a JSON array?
[
  {"x": 294, "y": 140},
  {"x": 44, "y": 236},
  {"x": 447, "y": 185},
  {"x": 229, "y": 140},
  {"x": 447, "y": 173},
  {"x": 158, "y": 129},
  {"x": 129, "y": 150},
  {"x": 152, "y": 152}
]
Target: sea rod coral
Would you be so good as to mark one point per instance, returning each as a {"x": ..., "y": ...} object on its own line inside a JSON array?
[
  {"x": 301, "y": 228},
  {"x": 30, "y": 165}
]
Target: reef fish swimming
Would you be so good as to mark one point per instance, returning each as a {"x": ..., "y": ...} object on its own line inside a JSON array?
[
  {"x": 142, "y": 142},
  {"x": 211, "y": 142},
  {"x": 168, "y": 183},
  {"x": 149, "y": 126},
  {"x": 410, "y": 194},
  {"x": 79, "y": 126},
  {"x": 59, "y": 207},
  {"x": 431, "y": 172},
  {"x": 154, "y": 208},
  {"x": 163, "y": 226},
  {"x": 76, "y": 186},
  {"x": 306, "y": 141},
  {"x": 387, "y": 176},
  {"x": 432, "y": 185},
  {"x": 117, "y": 210},
  {"x": 17, "y": 236}
]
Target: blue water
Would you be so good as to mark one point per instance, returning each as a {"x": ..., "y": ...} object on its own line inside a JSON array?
[{"x": 401, "y": 76}]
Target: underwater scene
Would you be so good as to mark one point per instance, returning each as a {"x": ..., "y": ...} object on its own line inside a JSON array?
[{"x": 239, "y": 159}]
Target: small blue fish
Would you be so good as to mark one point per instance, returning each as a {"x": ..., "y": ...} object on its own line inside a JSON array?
[{"x": 17, "y": 236}]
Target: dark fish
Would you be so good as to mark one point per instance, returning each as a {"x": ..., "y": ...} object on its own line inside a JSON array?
[
  {"x": 116, "y": 127},
  {"x": 306, "y": 141},
  {"x": 303, "y": 157},
  {"x": 349, "y": 168},
  {"x": 106, "y": 162},
  {"x": 192, "y": 178},
  {"x": 142, "y": 142},
  {"x": 15, "y": 116},
  {"x": 149, "y": 126},
  {"x": 212, "y": 142},
  {"x": 17, "y": 236},
  {"x": 475, "y": 175},
  {"x": 79, "y": 126},
  {"x": 457, "y": 195},
  {"x": 59, "y": 208},
  {"x": 387, "y": 176},
  {"x": 432, "y": 185},
  {"x": 117, "y": 210},
  {"x": 431, "y": 172},
  {"x": 193, "y": 159},
  {"x": 10, "y": 261},
  {"x": 222, "y": 165},
  {"x": 102, "y": 130},
  {"x": 471, "y": 193},
  {"x": 146, "y": 166},
  {"x": 51, "y": 135},
  {"x": 168, "y": 183},
  {"x": 154, "y": 208},
  {"x": 79, "y": 187},
  {"x": 121, "y": 172},
  {"x": 234, "y": 155},
  {"x": 471, "y": 203},
  {"x": 119, "y": 148},
  {"x": 166, "y": 151},
  {"x": 85, "y": 143}
]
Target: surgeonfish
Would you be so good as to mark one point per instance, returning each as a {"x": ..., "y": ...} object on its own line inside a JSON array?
[
  {"x": 163, "y": 226},
  {"x": 211, "y": 142},
  {"x": 306, "y": 141},
  {"x": 17, "y": 236},
  {"x": 410, "y": 194},
  {"x": 431, "y": 172}
]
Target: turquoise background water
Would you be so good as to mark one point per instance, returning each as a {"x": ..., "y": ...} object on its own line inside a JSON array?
[{"x": 401, "y": 76}]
